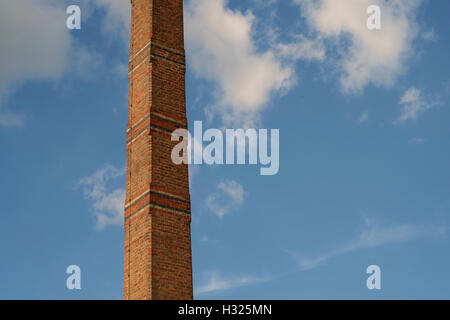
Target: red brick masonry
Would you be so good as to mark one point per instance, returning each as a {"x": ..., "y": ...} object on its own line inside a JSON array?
[{"x": 158, "y": 262}]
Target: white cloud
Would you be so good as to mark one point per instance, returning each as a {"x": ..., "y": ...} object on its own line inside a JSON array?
[
  {"x": 108, "y": 206},
  {"x": 366, "y": 57},
  {"x": 229, "y": 196},
  {"x": 216, "y": 283},
  {"x": 35, "y": 41},
  {"x": 373, "y": 235},
  {"x": 36, "y": 45},
  {"x": 413, "y": 104},
  {"x": 221, "y": 49}
]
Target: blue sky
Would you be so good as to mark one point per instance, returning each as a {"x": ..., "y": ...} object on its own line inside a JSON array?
[{"x": 364, "y": 148}]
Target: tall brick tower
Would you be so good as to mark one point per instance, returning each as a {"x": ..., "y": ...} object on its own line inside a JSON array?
[{"x": 158, "y": 263}]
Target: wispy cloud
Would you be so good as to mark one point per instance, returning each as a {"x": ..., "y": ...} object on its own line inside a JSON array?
[
  {"x": 108, "y": 205},
  {"x": 373, "y": 235},
  {"x": 217, "y": 283},
  {"x": 11, "y": 120},
  {"x": 229, "y": 196},
  {"x": 413, "y": 104},
  {"x": 302, "y": 49},
  {"x": 430, "y": 35},
  {"x": 364, "y": 117},
  {"x": 418, "y": 140}
]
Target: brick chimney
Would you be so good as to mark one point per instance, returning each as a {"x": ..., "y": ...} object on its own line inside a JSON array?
[{"x": 158, "y": 262}]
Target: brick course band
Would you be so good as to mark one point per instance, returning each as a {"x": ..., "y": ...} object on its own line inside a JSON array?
[
  {"x": 163, "y": 195},
  {"x": 155, "y": 45},
  {"x": 178, "y": 122},
  {"x": 152, "y": 204},
  {"x": 165, "y": 124},
  {"x": 152, "y": 50},
  {"x": 156, "y": 198}
]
